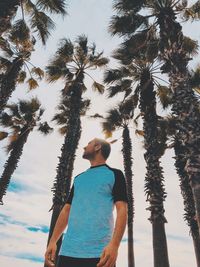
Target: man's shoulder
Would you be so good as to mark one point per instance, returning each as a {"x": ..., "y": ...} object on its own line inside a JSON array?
[
  {"x": 116, "y": 170},
  {"x": 79, "y": 174}
]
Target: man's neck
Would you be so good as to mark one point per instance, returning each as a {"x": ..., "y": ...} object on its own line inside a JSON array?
[{"x": 97, "y": 162}]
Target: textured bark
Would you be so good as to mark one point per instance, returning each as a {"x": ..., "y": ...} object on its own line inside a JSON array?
[
  {"x": 127, "y": 158},
  {"x": 8, "y": 82},
  {"x": 62, "y": 181},
  {"x": 188, "y": 199},
  {"x": 196, "y": 241},
  {"x": 154, "y": 187},
  {"x": 159, "y": 240},
  {"x": 185, "y": 105},
  {"x": 196, "y": 194},
  {"x": 12, "y": 162}
]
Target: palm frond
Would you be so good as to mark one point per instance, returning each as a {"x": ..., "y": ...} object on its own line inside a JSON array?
[
  {"x": 21, "y": 77},
  {"x": 60, "y": 118},
  {"x": 13, "y": 110},
  {"x": 34, "y": 104},
  {"x": 108, "y": 128},
  {"x": 114, "y": 117},
  {"x": 19, "y": 32},
  {"x": 193, "y": 12},
  {"x": 63, "y": 130},
  {"x": 165, "y": 96},
  {"x": 123, "y": 6},
  {"x": 53, "y": 6},
  {"x": 195, "y": 78},
  {"x": 82, "y": 44},
  {"x": 3, "y": 135},
  {"x": 100, "y": 62},
  {"x": 5, "y": 64},
  {"x": 122, "y": 55},
  {"x": 38, "y": 72},
  {"x": 127, "y": 107},
  {"x": 96, "y": 115},
  {"x": 65, "y": 50},
  {"x": 44, "y": 128},
  {"x": 123, "y": 86},
  {"x": 98, "y": 87},
  {"x": 113, "y": 75},
  {"x": 114, "y": 90},
  {"x": 127, "y": 24},
  {"x": 5, "y": 47},
  {"x": 54, "y": 73},
  {"x": 23, "y": 107},
  {"x": 190, "y": 46},
  {"x": 85, "y": 105},
  {"x": 13, "y": 137},
  {"x": 42, "y": 24},
  {"x": 5, "y": 119},
  {"x": 139, "y": 132},
  {"x": 32, "y": 83}
]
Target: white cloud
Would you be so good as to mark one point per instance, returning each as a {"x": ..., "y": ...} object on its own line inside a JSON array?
[{"x": 9, "y": 261}]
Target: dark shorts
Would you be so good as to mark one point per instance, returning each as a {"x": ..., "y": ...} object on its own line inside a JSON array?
[{"x": 66, "y": 261}]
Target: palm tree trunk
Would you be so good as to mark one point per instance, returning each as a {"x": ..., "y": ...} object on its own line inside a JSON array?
[
  {"x": 12, "y": 162},
  {"x": 8, "y": 10},
  {"x": 8, "y": 82},
  {"x": 127, "y": 156},
  {"x": 62, "y": 181},
  {"x": 154, "y": 187},
  {"x": 196, "y": 194},
  {"x": 196, "y": 242},
  {"x": 159, "y": 240},
  {"x": 185, "y": 104},
  {"x": 186, "y": 191}
]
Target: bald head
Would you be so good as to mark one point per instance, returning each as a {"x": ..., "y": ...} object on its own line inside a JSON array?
[
  {"x": 105, "y": 147},
  {"x": 97, "y": 147}
]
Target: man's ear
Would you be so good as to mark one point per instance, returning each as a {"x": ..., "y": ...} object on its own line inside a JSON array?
[{"x": 97, "y": 147}]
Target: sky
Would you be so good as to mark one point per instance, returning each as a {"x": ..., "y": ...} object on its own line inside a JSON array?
[{"x": 24, "y": 217}]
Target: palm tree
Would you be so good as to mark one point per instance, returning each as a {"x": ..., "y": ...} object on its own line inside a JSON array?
[
  {"x": 189, "y": 207},
  {"x": 119, "y": 118},
  {"x": 40, "y": 22},
  {"x": 71, "y": 64},
  {"x": 21, "y": 119},
  {"x": 18, "y": 43},
  {"x": 17, "y": 52},
  {"x": 175, "y": 58},
  {"x": 137, "y": 73},
  {"x": 167, "y": 126}
]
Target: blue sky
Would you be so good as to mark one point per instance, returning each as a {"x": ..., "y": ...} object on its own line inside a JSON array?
[{"x": 24, "y": 218}]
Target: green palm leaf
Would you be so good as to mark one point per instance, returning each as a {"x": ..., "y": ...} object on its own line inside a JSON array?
[
  {"x": 52, "y": 6},
  {"x": 42, "y": 23},
  {"x": 127, "y": 24}
]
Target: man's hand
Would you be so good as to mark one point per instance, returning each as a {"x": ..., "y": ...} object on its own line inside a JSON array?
[
  {"x": 50, "y": 254},
  {"x": 108, "y": 256}
]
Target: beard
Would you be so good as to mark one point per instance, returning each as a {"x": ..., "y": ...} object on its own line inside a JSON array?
[{"x": 87, "y": 155}]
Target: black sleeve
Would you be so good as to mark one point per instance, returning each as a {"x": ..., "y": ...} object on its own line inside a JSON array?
[
  {"x": 69, "y": 200},
  {"x": 119, "y": 189}
]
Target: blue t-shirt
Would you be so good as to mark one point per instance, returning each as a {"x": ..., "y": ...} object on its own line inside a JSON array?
[{"x": 90, "y": 223}]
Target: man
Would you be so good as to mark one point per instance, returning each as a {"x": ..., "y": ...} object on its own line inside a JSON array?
[{"x": 91, "y": 239}]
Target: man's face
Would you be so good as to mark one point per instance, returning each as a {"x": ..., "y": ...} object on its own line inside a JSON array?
[{"x": 90, "y": 150}]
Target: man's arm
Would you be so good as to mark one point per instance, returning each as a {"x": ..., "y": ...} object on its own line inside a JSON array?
[
  {"x": 110, "y": 252},
  {"x": 60, "y": 226},
  {"x": 61, "y": 223}
]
